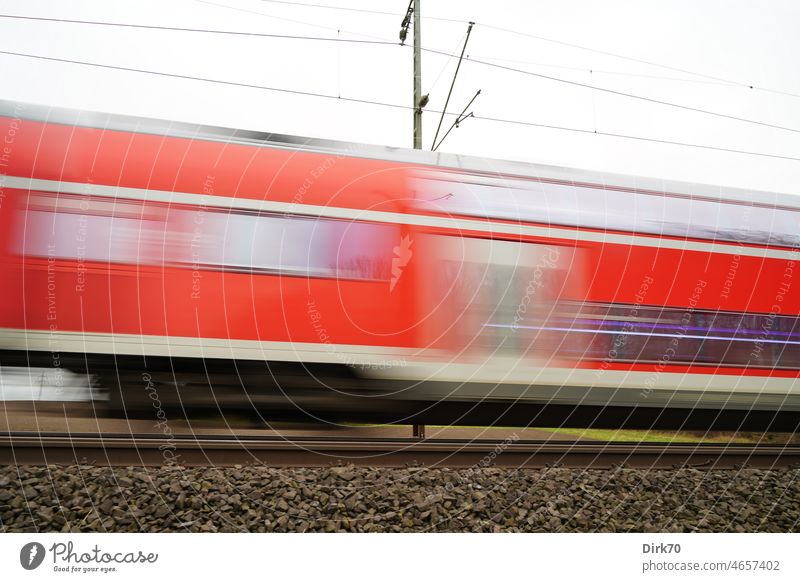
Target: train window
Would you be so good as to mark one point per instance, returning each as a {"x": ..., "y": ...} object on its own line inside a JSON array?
[
  {"x": 595, "y": 207},
  {"x": 290, "y": 245},
  {"x": 67, "y": 227},
  {"x": 135, "y": 232},
  {"x": 669, "y": 335},
  {"x": 501, "y": 295}
]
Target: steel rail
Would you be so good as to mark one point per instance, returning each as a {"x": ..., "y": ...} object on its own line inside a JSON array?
[{"x": 211, "y": 450}]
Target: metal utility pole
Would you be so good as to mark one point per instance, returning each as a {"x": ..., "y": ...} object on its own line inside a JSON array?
[
  {"x": 417, "y": 77},
  {"x": 419, "y": 101},
  {"x": 419, "y": 429}
]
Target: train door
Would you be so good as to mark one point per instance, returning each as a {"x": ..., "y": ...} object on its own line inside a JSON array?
[{"x": 498, "y": 299}]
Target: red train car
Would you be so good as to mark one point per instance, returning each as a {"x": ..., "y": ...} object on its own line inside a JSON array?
[{"x": 228, "y": 268}]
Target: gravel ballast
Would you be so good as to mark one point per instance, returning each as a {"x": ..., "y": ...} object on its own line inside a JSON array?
[{"x": 413, "y": 499}]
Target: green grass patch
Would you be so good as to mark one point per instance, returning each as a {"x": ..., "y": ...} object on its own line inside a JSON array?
[{"x": 650, "y": 436}]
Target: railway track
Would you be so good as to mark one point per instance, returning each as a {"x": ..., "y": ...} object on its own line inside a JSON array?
[{"x": 28, "y": 448}]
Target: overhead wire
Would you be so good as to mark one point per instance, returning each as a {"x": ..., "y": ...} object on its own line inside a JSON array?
[
  {"x": 284, "y": 19},
  {"x": 361, "y": 10},
  {"x": 329, "y": 7},
  {"x": 541, "y": 38},
  {"x": 197, "y": 78},
  {"x": 390, "y": 105},
  {"x": 622, "y": 93},
  {"x": 508, "y": 68},
  {"x": 446, "y": 63},
  {"x": 200, "y": 30},
  {"x": 643, "y": 61},
  {"x": 600, "y": 71}
]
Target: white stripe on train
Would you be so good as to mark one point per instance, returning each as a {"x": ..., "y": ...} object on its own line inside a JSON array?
[{"x": 228, "y": 202}]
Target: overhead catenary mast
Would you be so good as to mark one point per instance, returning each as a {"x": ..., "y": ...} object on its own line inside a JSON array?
[
  {"x": 418, "y": 104},
  {"x": 420, "y": 100}
]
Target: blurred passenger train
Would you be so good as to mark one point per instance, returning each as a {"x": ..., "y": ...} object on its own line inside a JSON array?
[{"x": 177, "y": 265}]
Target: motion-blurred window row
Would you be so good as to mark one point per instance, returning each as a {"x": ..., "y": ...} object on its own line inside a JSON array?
[
  {"x": 133, "y": 232},
  {"x": 606, "y": 209}
]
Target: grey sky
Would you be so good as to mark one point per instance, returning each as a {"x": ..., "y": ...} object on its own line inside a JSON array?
[{"x": 748, "y": 41}]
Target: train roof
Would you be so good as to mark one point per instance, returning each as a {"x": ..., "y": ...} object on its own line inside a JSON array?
[{"x": 495, "y": 167}]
